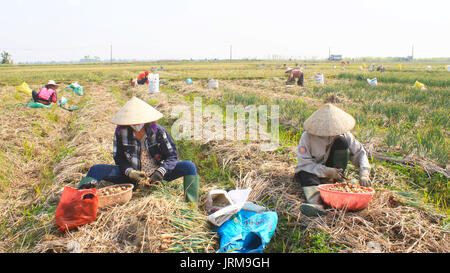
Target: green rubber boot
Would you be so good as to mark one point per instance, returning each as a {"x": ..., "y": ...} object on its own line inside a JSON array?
[
  {"x": 87, "y": 182},
  {"x": 191, "y": 185},
  {"x": 314, "y": 205}
]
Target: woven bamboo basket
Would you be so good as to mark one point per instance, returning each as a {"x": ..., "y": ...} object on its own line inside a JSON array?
[{"x": 115, "y": 198}]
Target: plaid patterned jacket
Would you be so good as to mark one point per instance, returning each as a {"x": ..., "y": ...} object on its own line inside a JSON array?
[{"x": 160, "y": 146}]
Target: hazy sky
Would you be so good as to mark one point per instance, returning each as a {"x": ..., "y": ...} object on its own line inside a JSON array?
[{"x": 61, "y": 30}]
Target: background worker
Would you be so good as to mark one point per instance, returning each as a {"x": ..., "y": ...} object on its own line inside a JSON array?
[
  {"x": 47, "y": 94},
  {"x": 143, "y": 150},
  {"x": 141, "y": 79},
  {"x": 324, "y": 150},
  {"x": 380, "y": 68},
  {"x": 296, "y": 73}
]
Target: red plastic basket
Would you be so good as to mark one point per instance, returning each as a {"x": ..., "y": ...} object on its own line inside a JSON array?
[{"x": 345, "y": 200}]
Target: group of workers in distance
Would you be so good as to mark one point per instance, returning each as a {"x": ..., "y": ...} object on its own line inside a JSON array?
[{"x": 144, "y": 152}]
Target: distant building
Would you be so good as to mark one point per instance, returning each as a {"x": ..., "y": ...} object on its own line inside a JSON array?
[
  {"x": 88, "y": 59},
  {"x": 335, "y": 58}
]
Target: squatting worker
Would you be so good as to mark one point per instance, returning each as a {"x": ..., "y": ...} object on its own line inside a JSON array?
[
  {"x": 46, "y": 94},
  {"x": 143, "y": 149},
  {"x": 324, "y": 150},
  {"x": 296, "y": 73},
  {"x": 141, "y": 79}
]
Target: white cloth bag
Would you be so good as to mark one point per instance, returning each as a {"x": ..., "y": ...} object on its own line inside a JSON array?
[{"x": 153, "y": 83}]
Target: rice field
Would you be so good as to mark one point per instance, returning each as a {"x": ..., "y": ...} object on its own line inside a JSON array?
[{"x": 405, "y": 130}]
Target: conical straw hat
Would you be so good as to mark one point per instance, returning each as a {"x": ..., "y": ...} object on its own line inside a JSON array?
[
  {"x": 329, "y": 121},
  {"x": 136, "y": 111}
]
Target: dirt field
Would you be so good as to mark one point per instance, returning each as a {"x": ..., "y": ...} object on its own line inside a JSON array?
[{"x": 405, "y": 130}]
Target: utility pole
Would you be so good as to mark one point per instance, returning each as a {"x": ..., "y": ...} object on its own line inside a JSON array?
[
  {"x": 412, "y": 53},
  {"x": 231, "y": 52}
]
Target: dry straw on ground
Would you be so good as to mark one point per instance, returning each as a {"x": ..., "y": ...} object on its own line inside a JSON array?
[
  {"x": 157, "y": 220},
  {"x": 387, "y": 225},
  {"x": 146, "y": 223},
  {"x": 388, "y": 222}
]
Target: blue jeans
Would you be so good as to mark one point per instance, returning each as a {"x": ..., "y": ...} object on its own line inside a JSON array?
[{"x": 113, "y": 174}]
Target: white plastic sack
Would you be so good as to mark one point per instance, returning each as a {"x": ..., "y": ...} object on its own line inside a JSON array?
[
  {"x": 239, "y": 196},
  {"x": 213, "y": 84},
  {"x": 153, "y": 83},
  {"x": 62, "y": 101},
  {"x": 217, "y": 200},
  {"x": 253, "y": 207},
  {"x": 372, "y": 81},
  {"x": 448, "y": 68},
  {"x": 221, "y": 216},
  {"x": 319, "y": 78}
]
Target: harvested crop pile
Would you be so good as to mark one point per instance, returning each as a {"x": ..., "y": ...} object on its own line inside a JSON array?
[
  {"x": 348, "y": 187},
  {"x": 112, "y": 190}
]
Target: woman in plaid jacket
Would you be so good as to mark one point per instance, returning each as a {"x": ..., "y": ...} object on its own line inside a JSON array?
[{"x": 144, "y": 153}]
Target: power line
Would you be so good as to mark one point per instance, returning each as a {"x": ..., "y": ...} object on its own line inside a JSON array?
[{"x": 33, "y": 49}]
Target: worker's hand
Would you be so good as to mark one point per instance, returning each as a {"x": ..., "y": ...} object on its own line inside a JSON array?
[
  {"x": 156, "y": 176},
  {"x": 365, "y": 182},
  {"x": 137, "y": 176},
  {"x": 364, "y": 179},
  {"x": 334, "y": 173}
]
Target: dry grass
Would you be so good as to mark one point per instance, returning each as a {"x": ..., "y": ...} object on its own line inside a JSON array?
[
  {"x": 153, "y": 221},
  {"x": 388, "y": 221},
  {"x": 158, "y": 220},
  {"x": 145, "y": 224}
]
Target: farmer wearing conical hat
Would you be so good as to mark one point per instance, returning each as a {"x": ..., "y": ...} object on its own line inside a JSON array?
[
  {"x": 323, "y": 152},
  {"x": 143, "y": 150},
  {"x": 294, "y": 73}
]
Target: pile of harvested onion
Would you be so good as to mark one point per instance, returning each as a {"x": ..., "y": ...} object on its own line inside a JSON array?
[{"x": 348, "y": 187}]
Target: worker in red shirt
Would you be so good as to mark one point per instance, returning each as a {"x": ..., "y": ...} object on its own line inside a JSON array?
[
  {"x": 47, "y": 94},
  {"x": 141, "y": 79},
  {"x": 295, "y": 74}
]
